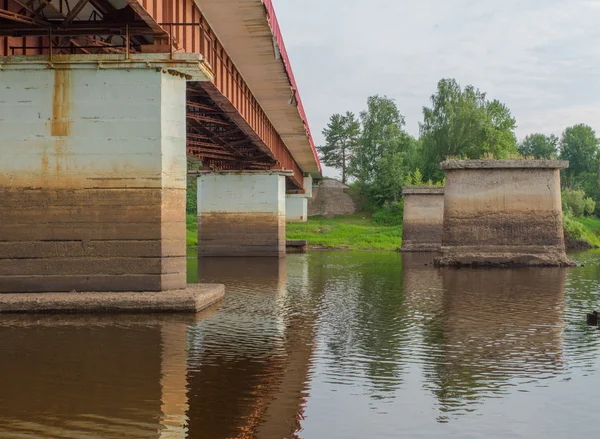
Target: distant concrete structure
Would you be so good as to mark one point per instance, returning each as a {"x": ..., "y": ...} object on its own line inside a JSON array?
[
  {"x": 423, "y": 218},
  {"x": 503, "y": 213},
  {"x": 241, "y": 213},
  {"x": 331, "y": 198}
]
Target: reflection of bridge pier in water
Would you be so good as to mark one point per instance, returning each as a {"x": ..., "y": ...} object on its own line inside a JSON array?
[
  {"x": 422, "y": 284},
  {"x": 249, "y": 363},
  {"x": 113, "y": 376},
  {"x": 494, "y": 326}
]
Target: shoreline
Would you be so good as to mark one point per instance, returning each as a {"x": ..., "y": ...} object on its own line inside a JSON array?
[{"x": 358, "y": 232}]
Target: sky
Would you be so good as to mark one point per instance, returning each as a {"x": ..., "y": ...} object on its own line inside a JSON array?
[{"x": 539, "y": 57}]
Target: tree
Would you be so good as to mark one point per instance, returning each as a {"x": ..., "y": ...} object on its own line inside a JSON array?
[
  {"x": 539, "y": 146},
  {"x": 379, "y": 163},
  {"x": 341, "y": 138},
  {"x": 382, "y": 124},
  {"x": 462, "y": 122},
  {"x": 579, "y": 146}
]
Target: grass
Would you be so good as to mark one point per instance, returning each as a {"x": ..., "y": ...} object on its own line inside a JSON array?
[
  {"x": 191, "y": 224},
  {"x": 358, "y": 232},
  {"x": 583, "y": 229},
  {"x": 351, "y": 232}
]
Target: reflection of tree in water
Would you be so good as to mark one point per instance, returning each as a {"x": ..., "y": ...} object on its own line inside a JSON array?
[
  {"x": 495, "y": 328},
  {"x": 363, "y": 320}
]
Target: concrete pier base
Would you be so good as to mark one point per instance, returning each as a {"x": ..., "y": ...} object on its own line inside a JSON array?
[
  {"x": 423, "y": 218},
  {"x": 194, "y": 298},
  {"x": 93, "y": 182},
  {"x": 503, "y": 213},
  {"x": 241, "y": 213}
]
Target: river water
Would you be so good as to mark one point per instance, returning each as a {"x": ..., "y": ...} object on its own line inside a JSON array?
[{"x": 324, "y": 345}]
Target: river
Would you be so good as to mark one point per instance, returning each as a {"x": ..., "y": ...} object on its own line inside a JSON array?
[{"x": 322, "y": 345}]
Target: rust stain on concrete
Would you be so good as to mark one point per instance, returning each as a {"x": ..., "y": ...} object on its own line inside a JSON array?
[
  {"x": 44, "y": 162},
  {"x": 60, "y": 149},
  {"x": 60, "y": 125}
]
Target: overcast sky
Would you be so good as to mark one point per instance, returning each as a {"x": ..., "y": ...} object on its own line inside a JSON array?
[{"x": 539, "y": 57}]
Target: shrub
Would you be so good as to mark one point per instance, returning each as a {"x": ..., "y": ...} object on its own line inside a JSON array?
[
  {"x": 573, "y": 202},
  {"x": 590, "y": 206},
  {"x": 389, "y": 215}
]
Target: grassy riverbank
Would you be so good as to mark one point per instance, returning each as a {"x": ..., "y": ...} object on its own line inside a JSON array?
[
  {"x": 358, "y": 232},
  {"x": 351, "y": 232},
  {"x": 582, "y": 232}
]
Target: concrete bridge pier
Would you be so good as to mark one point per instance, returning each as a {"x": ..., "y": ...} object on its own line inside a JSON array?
[
  {"x": 241, "y": 213},
  {"x": 423, "y": 218},
  {"x": 296, "y": 205},
  {"x": 503, "y": 213},
  {"x": 93, "y": 178}
]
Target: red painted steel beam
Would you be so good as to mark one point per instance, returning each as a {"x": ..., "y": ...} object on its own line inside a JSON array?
[{"x": 288, "y": 68}]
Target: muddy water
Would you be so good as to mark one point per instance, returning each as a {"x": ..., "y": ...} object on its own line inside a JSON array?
[{"x": 325, "y": 345}]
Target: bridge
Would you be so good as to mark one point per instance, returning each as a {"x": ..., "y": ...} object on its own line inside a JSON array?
[{"x": 102, "y": 105}]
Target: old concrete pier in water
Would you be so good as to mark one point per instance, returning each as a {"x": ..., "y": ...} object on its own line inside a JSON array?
[
  {"x": 423, "y": 218},
  {"x": 97, "y": 120},
  {"x": 503, "y": 213}
]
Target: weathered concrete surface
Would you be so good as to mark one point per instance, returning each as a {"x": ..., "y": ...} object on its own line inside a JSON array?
[
  {"x": 503, "y": 213},
  {"x": 423, "y": 218},
  {"x": 192, "y": 299},
  {"x": 92, "y": 178},
  {"x": 296, "y": 208},
  {"x": 331, "y": 198},
  {"x": 241, "y": 214}
]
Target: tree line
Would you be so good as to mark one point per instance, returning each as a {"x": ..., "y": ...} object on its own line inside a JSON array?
[{"x": 376, "y": 155}]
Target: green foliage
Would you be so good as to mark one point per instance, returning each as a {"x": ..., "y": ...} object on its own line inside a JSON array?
[
  {"x": 380, "y": 161},
  {"x": 191, "y": 224},
  {"x": 341, "y": 139},
  {"x": 576, "y": 204},
  {"x": 579, "y": 230},
  {"x": 579, "y": 146},
  {"x": 351, "y": 232},
  {"x": 415, "y": 178},
  {"x": 389, "y": 215},
  {"x": 539, "y": 146},
  {"x": 191, "y": 199},
  {"x": 463, "y": 123},
  {"x": 590, "y": 206}
]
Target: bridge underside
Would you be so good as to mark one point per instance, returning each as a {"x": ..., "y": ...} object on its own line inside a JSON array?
[
  {"x": 228, "y": 128},
  {"x": 219, "y": 137}
]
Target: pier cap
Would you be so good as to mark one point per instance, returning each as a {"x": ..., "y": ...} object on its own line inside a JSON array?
[
  {"x": 423, "y": 190},
  {"x": 504, "y": 164}
]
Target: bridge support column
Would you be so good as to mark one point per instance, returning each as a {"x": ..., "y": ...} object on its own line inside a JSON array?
[
  {"x": 503, "y": 213},
  {"x": 296, "y": 205},
  {"x": 296, "y": 208},
  {"x": 241, "y": 213},
  {"x": 423, "y": 219},
  {"x": 92, "y": 173}
]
